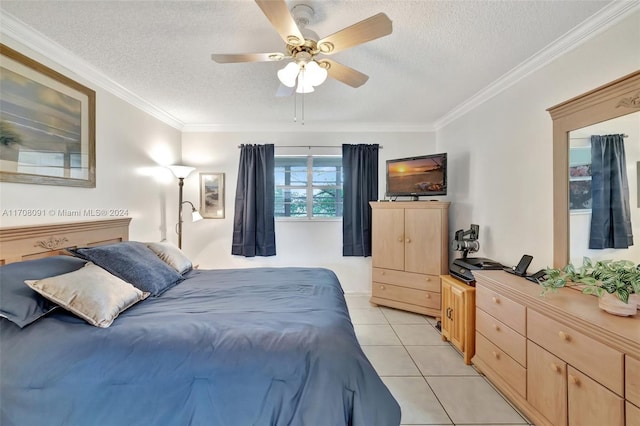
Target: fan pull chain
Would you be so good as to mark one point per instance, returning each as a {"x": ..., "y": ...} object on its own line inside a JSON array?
[
  {"x": 303, "y": 108},
  {"x": 295, "y": 107}
]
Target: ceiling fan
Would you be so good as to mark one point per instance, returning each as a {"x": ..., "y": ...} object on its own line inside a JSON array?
[{"x": 307, "y": 69}]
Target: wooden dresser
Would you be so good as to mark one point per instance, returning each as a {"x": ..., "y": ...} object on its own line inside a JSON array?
[
  {"x": 558, "y": 358},
  {"x": 410, "y": 252},
  {"x": 458, "y": 315}
]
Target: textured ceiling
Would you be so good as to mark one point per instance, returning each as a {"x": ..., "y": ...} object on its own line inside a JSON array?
[{"x": 439, "y": 55}]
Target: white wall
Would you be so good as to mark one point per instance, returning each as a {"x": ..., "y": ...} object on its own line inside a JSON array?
[
  {"x": 500, "y": 157},
  {"x": 319, "y": 244},
  {"x": 130, "y": 147}
]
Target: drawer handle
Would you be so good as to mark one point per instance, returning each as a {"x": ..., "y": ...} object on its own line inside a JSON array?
[
  {"x": 574, "y": 380},
  {"x": 383, "y": 272},
  {"x": 381, "y": 287},
  {"x": 428, "y": 296},
  {"x": 496, "y": 327},
  {"x": 554, "y": 367},
  {"x": 564, "y": 336},
  {"x": 427, "y": 278},
  {"x": 496, "y": 355},
  {"x": 495, "y": 299}
]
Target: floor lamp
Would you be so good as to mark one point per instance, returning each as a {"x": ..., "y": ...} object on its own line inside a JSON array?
[{"x": 181, "y": 172}]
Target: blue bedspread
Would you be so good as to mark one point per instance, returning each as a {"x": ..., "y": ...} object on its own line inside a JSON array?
[{"x": 263, "y": 346}]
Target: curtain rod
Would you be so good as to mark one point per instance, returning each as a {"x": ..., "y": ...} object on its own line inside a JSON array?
[
  {"x": 309, "y": 146},
  {"x": 589, "y": 138}
]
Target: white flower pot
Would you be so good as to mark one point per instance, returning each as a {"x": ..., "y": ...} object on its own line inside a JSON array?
[
  {"x": 611, "y": 304},
  {"x": 635, "y": 298}
]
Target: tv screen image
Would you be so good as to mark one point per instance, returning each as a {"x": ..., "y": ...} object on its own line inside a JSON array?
[{"x": 424, "y": 175}]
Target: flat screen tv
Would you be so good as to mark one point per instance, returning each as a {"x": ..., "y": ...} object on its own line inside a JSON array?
[{"x": 425, "y": 175}]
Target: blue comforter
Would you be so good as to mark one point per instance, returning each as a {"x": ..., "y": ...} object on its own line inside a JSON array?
[{"x": 264, "y": 346}]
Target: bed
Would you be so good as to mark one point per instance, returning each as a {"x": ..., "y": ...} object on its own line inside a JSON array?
[{"x": 261, "y": 346}]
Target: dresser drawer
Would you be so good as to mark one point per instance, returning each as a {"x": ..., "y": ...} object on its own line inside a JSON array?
[
  {"x": 632, "y": 415},
  {"x": 407, "y": 279},
  {"x": 504, "y": 337},
  {"x": 427, "y": 299},
  {"x": 632, "y": 387},
  {"x": 593, "y": 358},
  {"x": 502, "y": 364},
  {"x": 504, "y": 309}
]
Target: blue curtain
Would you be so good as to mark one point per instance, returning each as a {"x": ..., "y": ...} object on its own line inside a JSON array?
[
  {"x": 611, "y": 212},
  {"x": 360, "y": 168},
  {"x": 253, "y": 221}
]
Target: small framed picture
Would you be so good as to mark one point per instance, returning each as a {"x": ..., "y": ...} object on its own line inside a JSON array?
[{"x": 212, "y": 195}]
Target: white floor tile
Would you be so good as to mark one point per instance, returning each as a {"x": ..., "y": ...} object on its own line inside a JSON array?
[
  {"x": 440, "y": 361},
  {"x": 418, "y": 403},
  {"x": 471, "y": 400},
  {"x": 367, "y": 316},
  {"x": 391, "y": 361},
  {"x": 396, "y": 316},
  {"x": 418, "y": 334},
  {"x": 358, "y": 300},
  {"x": 376, "y": 334}
]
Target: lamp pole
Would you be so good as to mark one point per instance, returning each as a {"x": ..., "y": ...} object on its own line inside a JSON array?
[{"x": 180, "y": 185}]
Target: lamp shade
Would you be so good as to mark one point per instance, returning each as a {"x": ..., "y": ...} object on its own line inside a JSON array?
[
  {"x": 288, "y": 74},
  {"x": 196, "y": 216},
  {"x": 314, "y": 73},
  {"x": 181, "y": 171}
]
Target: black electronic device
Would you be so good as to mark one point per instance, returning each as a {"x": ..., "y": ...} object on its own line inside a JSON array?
[
  {"x": 539, "y": 276},
  {"x": 521, "y": 268},
  {"x": 467, "y": 242}
]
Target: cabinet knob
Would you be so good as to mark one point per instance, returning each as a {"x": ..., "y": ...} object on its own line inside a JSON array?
[
  {"x": 554, "y": 367},
  {"x": 427, "y": 295},
  {"x": 427, "y": 278},
  {"x": 496, "y": 355},
  {"x": 564, "y": 336},
  {"x": 381, "y": 287},
  {"x": 496, "y": 327},
  {"x": 408, "y": 240},
  {"x": 574, "y": 380},
  {"x": 383, "y": 272},
  {"x": 495, "y": 299}
]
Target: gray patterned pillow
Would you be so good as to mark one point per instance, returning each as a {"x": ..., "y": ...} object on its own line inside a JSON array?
[
  {"x": 172, "y": 256},
  {"x": 91, "y": 293}
]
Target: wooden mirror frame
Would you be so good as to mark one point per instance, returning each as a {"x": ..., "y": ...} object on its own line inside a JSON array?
[{"x": 615, "y": 99}]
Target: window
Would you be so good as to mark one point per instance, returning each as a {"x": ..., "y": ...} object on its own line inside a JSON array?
[{"x": 308, "y": 187}]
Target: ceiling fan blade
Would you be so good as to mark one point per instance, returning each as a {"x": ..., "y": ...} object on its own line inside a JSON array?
[
  {"x": 285, "y": 91},
  {"x": 344, "y": 74},
  {"x": 228, "y": 58},
  {"x": 278, "y": 13},
  {"x": 370, "y": 29}
]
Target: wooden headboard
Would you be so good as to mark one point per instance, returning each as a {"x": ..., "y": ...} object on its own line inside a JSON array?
[{"x": 35, "y": 241}]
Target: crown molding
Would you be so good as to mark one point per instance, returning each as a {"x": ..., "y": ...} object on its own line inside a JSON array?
[
  {"x": 325, "y": 127},
  {"x": 596, "y": 24},
  {"x": 36, "y": 41}
]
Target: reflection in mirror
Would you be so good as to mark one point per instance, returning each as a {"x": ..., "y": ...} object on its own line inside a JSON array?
[{"x": 580, "y": 199}]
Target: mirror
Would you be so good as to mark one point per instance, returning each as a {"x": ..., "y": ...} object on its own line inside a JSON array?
[
  {"x": 580, "y": 187},
  {"x": 616, "y": 99}
]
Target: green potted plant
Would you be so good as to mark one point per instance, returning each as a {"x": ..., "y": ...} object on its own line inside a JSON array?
[{"x": 615, "y": 282}]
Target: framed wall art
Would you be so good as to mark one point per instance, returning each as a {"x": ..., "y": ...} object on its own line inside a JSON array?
[
  {"x": 212, "y": 195},
  {"x": 47, "y": 125}
]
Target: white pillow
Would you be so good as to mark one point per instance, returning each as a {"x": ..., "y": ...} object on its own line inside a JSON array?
[
  {"x": 91, "y": 293},
  {"x": 172, "y": 256}
]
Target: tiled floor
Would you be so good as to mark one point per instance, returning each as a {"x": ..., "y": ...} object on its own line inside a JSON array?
[{"x": 427, "y": 376}]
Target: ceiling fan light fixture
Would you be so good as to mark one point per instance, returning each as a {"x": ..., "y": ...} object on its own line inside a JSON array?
[
  {"x": 304, "y": 87},
  {"x": 288, "y": 74},
  {"x": 314, "y": 74}
]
